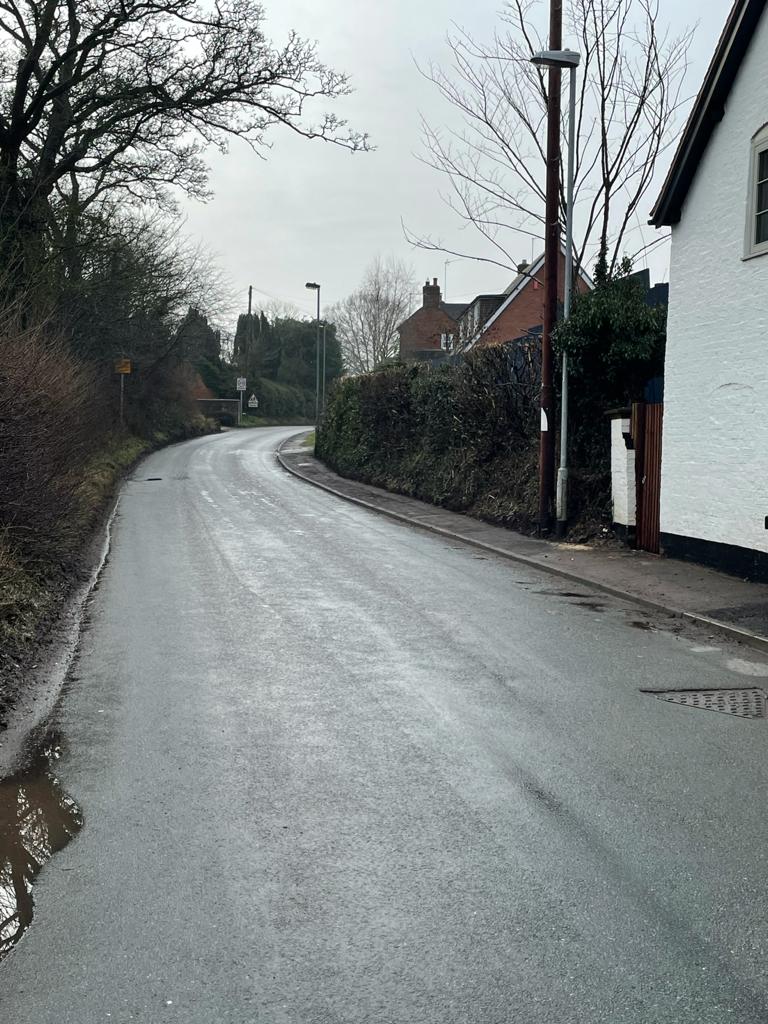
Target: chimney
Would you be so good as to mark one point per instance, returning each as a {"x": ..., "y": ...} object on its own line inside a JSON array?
[
  {"x": 431, "y": 294},
  {"x": 522, "y": 267}
]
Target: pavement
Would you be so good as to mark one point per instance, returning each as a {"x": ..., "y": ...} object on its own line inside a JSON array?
[
  {"x": 315, "y": 766},
  {"x": 731, "y": 606}
]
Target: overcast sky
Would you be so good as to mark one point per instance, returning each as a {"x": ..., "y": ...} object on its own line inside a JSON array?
[{"x": 311, "y": 211}]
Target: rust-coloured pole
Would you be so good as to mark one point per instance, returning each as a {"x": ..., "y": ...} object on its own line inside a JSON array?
[{"x": 551, "y": 269}]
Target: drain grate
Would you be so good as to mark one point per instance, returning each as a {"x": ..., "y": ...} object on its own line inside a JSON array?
[{"x": 746, "y": 703}]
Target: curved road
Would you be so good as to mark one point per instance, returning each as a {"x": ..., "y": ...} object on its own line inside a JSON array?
[{"x": 335, "y": 770}]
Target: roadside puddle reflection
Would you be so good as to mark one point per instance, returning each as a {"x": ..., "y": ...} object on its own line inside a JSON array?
[{"x": 37, "y": 819}]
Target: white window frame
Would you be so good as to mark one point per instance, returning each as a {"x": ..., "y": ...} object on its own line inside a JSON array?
[{"x": 751, "y": 247}]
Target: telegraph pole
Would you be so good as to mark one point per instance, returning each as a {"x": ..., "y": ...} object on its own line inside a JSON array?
[
  {"x": 315, "y": 287},
  {"x": 551, "y": 274},
  {"x": 250, "y": 328}
]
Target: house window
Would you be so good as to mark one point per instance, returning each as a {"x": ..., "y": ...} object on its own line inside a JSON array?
[
  {"x": 757, "y": 225},
  {"x": 761, "y": 211}
]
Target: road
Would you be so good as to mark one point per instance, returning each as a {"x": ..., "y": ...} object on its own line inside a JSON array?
[{"x": 335, "y": 770}]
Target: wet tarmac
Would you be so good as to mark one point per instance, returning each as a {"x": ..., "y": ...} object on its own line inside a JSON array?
[{"x": 334, "y": 769}]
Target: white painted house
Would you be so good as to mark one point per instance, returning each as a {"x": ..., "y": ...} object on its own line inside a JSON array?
[{"x": 714, "y": 478}]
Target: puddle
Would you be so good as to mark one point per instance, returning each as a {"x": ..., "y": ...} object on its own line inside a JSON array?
[{"x": 37, "y": 819}]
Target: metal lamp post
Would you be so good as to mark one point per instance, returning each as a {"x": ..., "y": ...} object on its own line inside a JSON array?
[
  {"x": 322, "y": 394},
  {"x": 569, "y": 60},
  {"x": 314, "y": 286}
]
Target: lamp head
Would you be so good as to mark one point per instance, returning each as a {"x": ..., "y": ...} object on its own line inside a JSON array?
[{"x": 556, "y": 59}]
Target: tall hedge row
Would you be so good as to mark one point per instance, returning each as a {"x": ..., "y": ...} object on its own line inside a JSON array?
[
  {"x": 283, "y": 401},
  {"x": 462, "y": 436}
]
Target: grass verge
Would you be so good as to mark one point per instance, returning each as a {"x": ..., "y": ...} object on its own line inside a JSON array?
[{"x": 262, "y": 421}]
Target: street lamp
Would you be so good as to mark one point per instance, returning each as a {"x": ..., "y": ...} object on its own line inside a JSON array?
[
  {"x": 569, "y": 60},
  {"x": 314, "y": 286}
]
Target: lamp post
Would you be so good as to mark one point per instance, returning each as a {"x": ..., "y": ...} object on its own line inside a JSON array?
[
  {"x": 314, "y": 286},
  {"x": 322, "y": 397},
  {"x": 568, "y": 59}
]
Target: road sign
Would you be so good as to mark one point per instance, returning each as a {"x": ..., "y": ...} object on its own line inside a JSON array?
[
  {"x": 123, "y": 366},
  {"x": 241, "y": 383},
  {"x": 253, "y": 402}
]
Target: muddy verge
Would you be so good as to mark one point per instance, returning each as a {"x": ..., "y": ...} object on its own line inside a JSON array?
[{"x": 34, "y": 664}]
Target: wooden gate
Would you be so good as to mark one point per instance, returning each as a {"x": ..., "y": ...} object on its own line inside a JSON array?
[{"x": 646, "y": 433}]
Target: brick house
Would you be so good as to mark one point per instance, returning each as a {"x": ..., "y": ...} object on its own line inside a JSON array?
[
  {"x": 477, "y": 314},
  {"x": 424, "y": 330},
  {"x": 517, "y": 313}
]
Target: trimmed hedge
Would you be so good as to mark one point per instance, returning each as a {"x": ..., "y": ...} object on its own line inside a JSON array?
[{"x": 463, "y": 436}]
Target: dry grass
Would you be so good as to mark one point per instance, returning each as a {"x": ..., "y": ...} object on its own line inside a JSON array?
[
  {"x": 24, "y": 602},
  {"x": 49, "y": 425},
  {"x": 103, "y": 472}
]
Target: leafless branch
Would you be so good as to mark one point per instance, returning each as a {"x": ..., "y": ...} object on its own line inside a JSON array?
[
  {"x": 367, "y": 321},
  {"x": 629, "y": 99}
]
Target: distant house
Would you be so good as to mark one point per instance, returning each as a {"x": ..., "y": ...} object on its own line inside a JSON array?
[
  {"x": 714, "y": 475},
  {"x": 517, "y": 313},
  {"x": 477, "y": 313},
  {"x": 434, "y": 326}
]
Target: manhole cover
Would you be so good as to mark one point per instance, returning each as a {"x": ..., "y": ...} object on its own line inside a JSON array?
[{"x": 748, "y": 703}]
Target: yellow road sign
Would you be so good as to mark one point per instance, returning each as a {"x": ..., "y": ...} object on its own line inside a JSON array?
[{"x": 123, "y": 366}]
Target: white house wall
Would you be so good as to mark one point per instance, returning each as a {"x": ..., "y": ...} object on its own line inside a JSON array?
[
  {"x": 622, "y": 475},
  {"x": 715, "y": 451}
]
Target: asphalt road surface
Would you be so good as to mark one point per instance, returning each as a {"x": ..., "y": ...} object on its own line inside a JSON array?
[{"x": 334, "y": 770}]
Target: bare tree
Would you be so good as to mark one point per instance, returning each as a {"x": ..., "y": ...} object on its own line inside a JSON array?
[
  {"x": 133, "y": 269},
  {"x": 129, "y": 93},
  {"x": 281, "y": 309},
  {"x": 367, "y": 321},
  {"x": 629, "y": 98}
]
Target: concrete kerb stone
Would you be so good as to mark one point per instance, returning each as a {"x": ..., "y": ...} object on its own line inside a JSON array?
[{"x": 732, "y": 632}]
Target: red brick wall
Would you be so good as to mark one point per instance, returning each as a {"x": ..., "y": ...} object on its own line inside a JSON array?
[
  {"x": 526, "y": 311},
  {"x": 422, "y": 330}
]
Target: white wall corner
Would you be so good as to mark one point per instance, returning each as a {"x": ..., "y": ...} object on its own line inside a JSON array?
[{"x": 622, "y": 475}]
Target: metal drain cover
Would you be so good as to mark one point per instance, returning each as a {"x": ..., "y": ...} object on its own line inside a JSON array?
[{"x": 748, "y": 703}]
